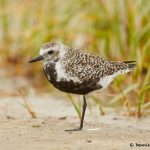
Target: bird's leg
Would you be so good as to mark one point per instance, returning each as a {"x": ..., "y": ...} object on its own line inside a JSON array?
[
  {"x": 82, "y": 117},
  {"x": 83, "y": 112}
]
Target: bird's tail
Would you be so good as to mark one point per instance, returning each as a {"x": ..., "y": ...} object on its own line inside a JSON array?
[
  {"x": 131, "y": 64},
  {"x": 123, "y": 67}
]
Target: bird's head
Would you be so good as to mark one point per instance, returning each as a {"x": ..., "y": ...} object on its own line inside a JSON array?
[{"x": 50, "y": 52}]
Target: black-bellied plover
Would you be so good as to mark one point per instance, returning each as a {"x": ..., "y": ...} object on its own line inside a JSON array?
[{"x": 79, "y": 72}]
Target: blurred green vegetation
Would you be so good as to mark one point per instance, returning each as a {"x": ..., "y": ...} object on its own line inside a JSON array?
[{"x": 114, "y": 29}]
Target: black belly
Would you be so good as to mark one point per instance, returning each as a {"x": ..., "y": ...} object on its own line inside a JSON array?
[{"x": 81, "y": 88}]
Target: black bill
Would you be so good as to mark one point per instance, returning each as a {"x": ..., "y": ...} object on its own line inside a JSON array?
[{"x": 36, "y": 59}]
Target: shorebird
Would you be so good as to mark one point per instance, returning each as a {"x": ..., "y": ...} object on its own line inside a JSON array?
[{"x": 79, "y": 72}]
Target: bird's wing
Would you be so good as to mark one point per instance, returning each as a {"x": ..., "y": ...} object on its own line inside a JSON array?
[{"x": 84, "y": 66}]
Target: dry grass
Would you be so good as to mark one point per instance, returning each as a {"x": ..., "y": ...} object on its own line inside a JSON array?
[{"x": 22, "y": 95}]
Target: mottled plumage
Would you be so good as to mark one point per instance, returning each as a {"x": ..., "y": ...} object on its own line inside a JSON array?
[
  {"x": 85, "y": 66},
  {"x": 79, "y": 72}
]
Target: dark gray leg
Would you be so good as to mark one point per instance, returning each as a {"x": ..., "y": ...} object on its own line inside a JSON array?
[
  {"x": 82, "y": 117},
  {"x": 83, "y": 112}
]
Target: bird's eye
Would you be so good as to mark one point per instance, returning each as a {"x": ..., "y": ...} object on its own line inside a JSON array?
[{"x": 50, "y": 52}]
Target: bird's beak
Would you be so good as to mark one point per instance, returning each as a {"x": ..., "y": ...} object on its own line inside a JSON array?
[{"x": 39, "y": 58}]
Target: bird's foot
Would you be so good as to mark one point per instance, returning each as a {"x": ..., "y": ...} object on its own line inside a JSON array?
[{"x": 77, "y": 129}]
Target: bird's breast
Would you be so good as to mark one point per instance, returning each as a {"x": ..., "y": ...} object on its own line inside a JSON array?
[
  {"x": 69, "y": 85},
  {"x": 50, "y": 72}
]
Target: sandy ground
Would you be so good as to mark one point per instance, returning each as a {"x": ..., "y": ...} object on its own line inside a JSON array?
[
  {"x": 49, "y": 134},
  {"x": 110, "y": 132},
  {"x": 113, "y": 131}
]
